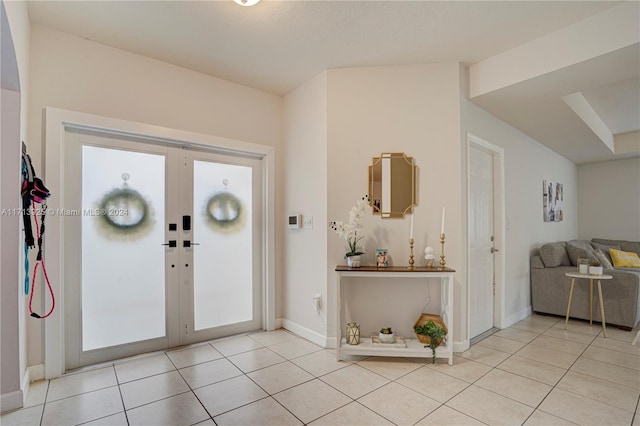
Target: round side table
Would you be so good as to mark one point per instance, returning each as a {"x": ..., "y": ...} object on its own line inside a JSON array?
[{"x": 590, "y": 278}]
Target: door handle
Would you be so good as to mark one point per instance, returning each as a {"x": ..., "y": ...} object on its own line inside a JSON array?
[
  {"x": 188, "y": 243},
  {"x": 494, "y": 250},
  {"x": 171, "y": 243}
]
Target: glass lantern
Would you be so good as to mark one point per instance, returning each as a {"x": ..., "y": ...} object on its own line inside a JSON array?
[
  {"x": 353, "y": 333},
  {"x": 583, "y": 266}
]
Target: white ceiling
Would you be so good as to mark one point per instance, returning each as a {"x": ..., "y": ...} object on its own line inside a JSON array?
[
  {"x": 277, "y": 45},
  {"x": 617, "y": 104}
]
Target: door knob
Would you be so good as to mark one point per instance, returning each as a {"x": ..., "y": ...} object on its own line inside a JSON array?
[
  {"x": 188, "y": 243},
  {"x": 494, "y": 250},
  {"x": 171, "y": 243}
]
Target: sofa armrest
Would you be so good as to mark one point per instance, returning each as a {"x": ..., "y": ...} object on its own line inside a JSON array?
[{"x": 536, "y": 262}]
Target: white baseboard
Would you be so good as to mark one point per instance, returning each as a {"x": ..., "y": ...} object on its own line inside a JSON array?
[
  {"x": 35, "y": 373},
  {"x": 11, "y": 401},
  {"x": 278, "y": 324},
  {"x": 518, "y": 316},
  {"x": 461, "y": 346},
  {"x": 304, "y": 332},
  {"x": 331, "y": 343},
  {"x": 14, "y": 400}
]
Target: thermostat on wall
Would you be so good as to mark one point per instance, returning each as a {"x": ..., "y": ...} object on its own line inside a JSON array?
[{"x": 295, "y": 221}]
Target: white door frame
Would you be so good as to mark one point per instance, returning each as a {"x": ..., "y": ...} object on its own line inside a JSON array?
[
  {"x": 56, "y": 123},
  {"x": 499, "y": 212}
]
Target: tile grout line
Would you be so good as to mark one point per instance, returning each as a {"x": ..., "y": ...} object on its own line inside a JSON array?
[
  {"x": 441, "y": 404},
  {"x": 44, "y": 404},
  {"x": 269, "y": 395},
  {"x": 190, "y": 390},
  {"x": 124, "y": 407}
]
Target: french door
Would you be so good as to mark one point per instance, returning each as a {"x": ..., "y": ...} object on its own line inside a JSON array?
[{"x": 162, "y": 246}]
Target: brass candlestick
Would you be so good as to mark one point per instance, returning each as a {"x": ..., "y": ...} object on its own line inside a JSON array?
[
  {"x": 442, "y": 261},
  {"x": 411, "y": 261}
]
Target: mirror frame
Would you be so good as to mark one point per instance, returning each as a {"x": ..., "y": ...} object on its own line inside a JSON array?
[{"x": 410, "y": 163}]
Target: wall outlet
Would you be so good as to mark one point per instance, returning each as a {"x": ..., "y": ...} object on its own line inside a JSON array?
[
  {"x": 307, "y": 222},
  {"x": 317, "y": 301}
]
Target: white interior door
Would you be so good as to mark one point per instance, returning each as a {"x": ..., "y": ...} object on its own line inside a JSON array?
[
  {"x": 481, "y": 241},
  {"x": 134, "y": 279}
]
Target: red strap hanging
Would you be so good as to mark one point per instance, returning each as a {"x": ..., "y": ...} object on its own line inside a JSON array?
[{"x": 39, "y": 261}]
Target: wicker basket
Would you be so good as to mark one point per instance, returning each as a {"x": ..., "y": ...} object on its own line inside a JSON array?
[{"x": 425, "y": 318}]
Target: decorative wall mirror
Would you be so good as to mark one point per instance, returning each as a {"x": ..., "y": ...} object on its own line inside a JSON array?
[{"x": 392, "y": 184}]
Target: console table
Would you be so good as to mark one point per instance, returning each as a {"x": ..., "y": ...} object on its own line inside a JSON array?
[{"x": 414, "y": 347}]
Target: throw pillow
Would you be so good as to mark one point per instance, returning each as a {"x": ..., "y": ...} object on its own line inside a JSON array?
[
  {"x": 576, "y": 253},
  {"x": 554, "y": 255},
  {"x": 624, "y": 259},
  {"x": 604, "y": 260},
  {"x": 605, "y": 249}
]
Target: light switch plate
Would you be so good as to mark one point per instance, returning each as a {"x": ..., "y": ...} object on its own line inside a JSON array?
[{"x": 307, "y": 222}]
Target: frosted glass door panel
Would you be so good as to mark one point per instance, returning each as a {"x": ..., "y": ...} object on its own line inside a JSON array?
[
  {"x": 223, "y": 260},
  {"x": 123, "y": 273}
]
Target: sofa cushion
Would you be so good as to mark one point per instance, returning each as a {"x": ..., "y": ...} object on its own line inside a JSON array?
[
  {"x": 606, "y": 241},
  {"x": 633, "y": 246},
  {"x": 605, "y": 260},
  {"x": 605, "y": 249},
  {"x": 625, "y": 259},
  {"x": 554, "y": 255},
  {"x": 579, "y": 249}
]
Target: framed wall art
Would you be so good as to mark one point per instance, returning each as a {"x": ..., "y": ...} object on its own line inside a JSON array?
[{"x": 552, "y": 201}]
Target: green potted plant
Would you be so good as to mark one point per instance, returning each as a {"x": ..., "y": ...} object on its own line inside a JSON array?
[
  {"x": 436, "y": 334},
  {"x": 386, "y": 335}
]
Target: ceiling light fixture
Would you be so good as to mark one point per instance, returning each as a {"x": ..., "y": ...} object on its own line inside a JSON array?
[{"x": 246, "y": 2}]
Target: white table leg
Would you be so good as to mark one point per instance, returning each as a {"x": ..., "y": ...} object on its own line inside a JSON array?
[{"x": 566, "y": 321}]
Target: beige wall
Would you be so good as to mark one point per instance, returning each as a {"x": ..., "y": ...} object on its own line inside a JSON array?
[
  {"x": 412, "y": 109},
  {"x": 527, "y": 164},
  {"x": 609, "y": 199},
  {"x": 304, "y": 259},
  {"x": 76, "y": 74}
]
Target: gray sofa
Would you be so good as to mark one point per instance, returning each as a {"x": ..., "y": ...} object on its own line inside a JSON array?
[{"x": 550, "y": 286}]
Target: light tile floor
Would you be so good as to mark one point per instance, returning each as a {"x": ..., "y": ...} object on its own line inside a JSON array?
[{"x": 533, "y": 373}]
